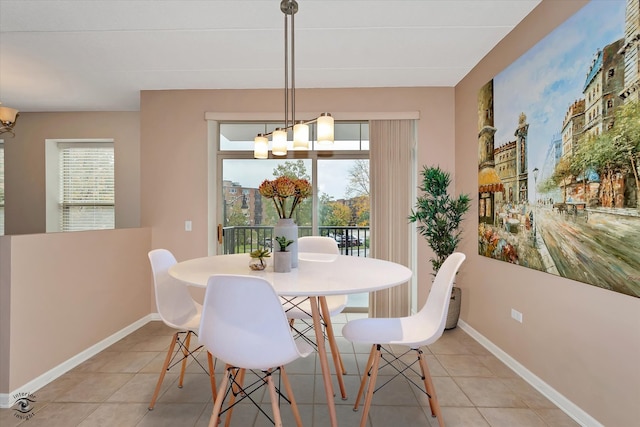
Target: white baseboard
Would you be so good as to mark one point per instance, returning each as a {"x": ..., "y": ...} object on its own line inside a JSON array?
[
  {"x": 8, "y": 399},
  {"x": 570, "y": 408}
]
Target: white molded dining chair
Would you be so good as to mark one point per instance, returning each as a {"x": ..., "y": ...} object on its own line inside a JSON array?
[
  {"x": 298, "y": 308},
  {"x": 178, "y": 310},
  {"x": 244, "y": 325},
  {"x": 420, "y": 329}
]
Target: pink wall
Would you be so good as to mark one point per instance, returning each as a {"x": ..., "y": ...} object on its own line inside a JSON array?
[
  {"x": 580, "y": 339},
  {"x": 5, "y": 311},
  {"x": 68, "y": 291}
]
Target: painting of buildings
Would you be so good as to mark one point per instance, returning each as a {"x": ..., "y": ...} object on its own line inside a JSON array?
[{"x": 559, "y": 152}]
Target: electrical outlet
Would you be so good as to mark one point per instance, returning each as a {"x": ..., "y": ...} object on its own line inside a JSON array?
[
  {"x": 516, "y": 315},
  {"x": 187, "y": 225}
]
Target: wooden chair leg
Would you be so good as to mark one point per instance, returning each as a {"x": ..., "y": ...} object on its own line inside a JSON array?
[
  {"x": 236, "y": 388},
  {"x": 274, "y": 402},
  {"x": 165, "y": 366},
  {"x": 371, "y": 386},
  {"x": 365, "y": 375},
  {"x": 289, "y": 390},
  {"x": 213, "y": 422},
  {"x": 243, "y": 372},
  {"x": 428, "y": 384},
  {"x": 212, "y": 376},
  {"x": 185, "y": 352}
]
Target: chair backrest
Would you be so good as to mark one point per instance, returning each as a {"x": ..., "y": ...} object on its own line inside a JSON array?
[
  {"x": 434, "y": 312},
  {"x": 243, "y": 323},
  {"x": 318, "y": 244},
  {"x": 173, "y": 300}
]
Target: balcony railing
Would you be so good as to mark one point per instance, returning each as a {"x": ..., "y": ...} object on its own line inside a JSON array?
[{"x": 352, "y": 241}]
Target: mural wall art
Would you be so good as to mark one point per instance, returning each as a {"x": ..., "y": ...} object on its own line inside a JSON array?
[{"x": 559, "y": 152}]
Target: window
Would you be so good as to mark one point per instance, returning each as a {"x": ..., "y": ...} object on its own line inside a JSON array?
[
  {"x": 86, "y": 194},
  {"x": 328, "y": 170},
  {"x": 87, "y": 187},
  {"x": 1, "y": 188}
]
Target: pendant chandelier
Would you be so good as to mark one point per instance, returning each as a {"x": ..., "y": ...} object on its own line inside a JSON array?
[
  {"x": 8, "y": 117},
  {"x": 324, "y": 123}
]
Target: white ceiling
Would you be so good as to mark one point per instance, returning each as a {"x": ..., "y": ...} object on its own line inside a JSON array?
[{"x": 96, "y": 55}]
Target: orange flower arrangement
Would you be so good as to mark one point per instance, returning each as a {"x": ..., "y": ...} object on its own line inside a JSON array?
[{"x": 283, "y": 188}]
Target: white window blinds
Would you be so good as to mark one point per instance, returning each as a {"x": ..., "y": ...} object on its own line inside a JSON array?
[{"x": 87, "y": 186}]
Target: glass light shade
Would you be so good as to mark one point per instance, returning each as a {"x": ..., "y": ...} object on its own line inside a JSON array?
[
  {"x": 8, "y": 115},
  {"x": 301, "y": 137},
  {"x": 325, "y": 129},
  {"x": 279, "y": 142},
  {"x": 260, "y": 147}
]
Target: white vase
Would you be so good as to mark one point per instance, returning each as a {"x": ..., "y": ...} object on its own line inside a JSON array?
[
  {"x": 287, "y": 228},
  {"x": 281, "y": 262}
]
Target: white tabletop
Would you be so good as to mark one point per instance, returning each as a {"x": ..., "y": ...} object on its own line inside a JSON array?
[{"x": 316, "y": 275}]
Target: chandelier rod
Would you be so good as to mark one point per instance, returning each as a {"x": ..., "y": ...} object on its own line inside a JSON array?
[
  {"x": 289, "y": 9},
  {"x": 293, "y": 69}
]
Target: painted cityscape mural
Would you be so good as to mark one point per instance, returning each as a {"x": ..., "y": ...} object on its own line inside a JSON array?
[{"x": 559, "y": 152}]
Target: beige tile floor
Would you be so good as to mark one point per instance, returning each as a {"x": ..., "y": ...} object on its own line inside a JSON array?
[{"x": 114, "y": 388}]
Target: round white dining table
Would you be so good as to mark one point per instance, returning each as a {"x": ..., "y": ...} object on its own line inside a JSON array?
[{"x": 317, "y": 276}]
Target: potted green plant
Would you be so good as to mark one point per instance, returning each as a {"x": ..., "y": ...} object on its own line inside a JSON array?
[
  {"x": 258, "y": 259},
  {"x": 282, "y": 258},
  {"x": 439, "y": 216}
]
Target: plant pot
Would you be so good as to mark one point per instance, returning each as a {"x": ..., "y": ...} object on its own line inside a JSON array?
[
  {"x": 282, "y": 262},
  {"x": 454, "y": 308}
]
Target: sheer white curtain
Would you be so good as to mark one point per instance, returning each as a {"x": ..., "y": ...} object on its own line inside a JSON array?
[{"x": 392, "y": 171}]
